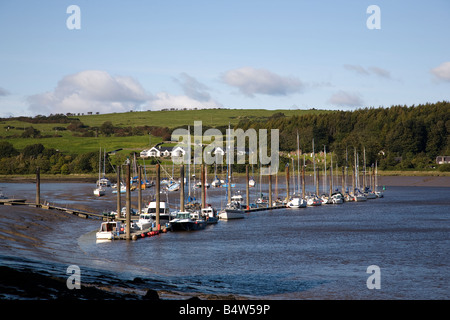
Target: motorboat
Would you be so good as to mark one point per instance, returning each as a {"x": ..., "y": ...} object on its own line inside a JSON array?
[
  {"x": 210, "y": 215},
  {"x": 296, "y": 202},
  {"x": 108, "y": 230},
  {"x": 145, "y": 221},
  {"x": 184, "y": 222},
  {"x": 164, "y": 211},
  {"x": 251, "y": 182},
  {"x": 233, "y": 210}
]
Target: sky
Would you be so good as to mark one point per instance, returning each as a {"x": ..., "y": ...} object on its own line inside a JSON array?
[{"x": 117, "y": 56}]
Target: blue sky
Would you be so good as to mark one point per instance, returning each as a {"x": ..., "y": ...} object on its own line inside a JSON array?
[{"x": 148, "y": 55}]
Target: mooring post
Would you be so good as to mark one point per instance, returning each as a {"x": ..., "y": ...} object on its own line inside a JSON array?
[
  {"x": 247, "y": 188},
  {"x": 303, "y": 183},
  {"x": 287, "y": 182},
  {"x": 203, "y": 193},
  {"x": 140, "y": 189},
  {"x": 182, "y": 188},
  {"x": 158, "y": 186},
  {"x": 270, "y": 187},
  {"x": 119, "y": 205},
  {"x": 38, "y": 186},
  {"x": 128, "y": 204}
]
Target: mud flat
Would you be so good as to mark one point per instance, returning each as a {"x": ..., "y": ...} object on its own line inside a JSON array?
[{"x": 417, "y": 181}]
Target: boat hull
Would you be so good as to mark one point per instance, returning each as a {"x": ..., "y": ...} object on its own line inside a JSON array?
[
  {"x": 188, "y": 225},
  {"x": 230, "y": 214}
]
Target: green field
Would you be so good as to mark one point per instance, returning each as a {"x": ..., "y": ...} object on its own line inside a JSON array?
[
  {"x": 176, "y": 118},
  {"x": 68, "y": 143}
]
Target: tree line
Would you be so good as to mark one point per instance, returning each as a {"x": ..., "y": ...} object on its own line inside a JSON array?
[{"x": 399, "y": 137}]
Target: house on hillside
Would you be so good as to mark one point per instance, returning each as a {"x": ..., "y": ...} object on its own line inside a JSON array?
[
  {"x": 442, "y": 159},
  {"x": 156, "y": 152}
]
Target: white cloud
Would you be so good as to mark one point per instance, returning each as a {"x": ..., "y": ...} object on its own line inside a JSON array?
[
  {"x": 90, "y": 90},
  {"x": 343, "y": 98},
  {"x": 251, "y": 81},
  {"x": 193, "y": 88},
  {"x": 163, "y": 100},
  {"x": 98, "y": 91},
  {"x": 371, "y": 70},
  {"x": 442, "y": 72},
  {"x": 356, "y": 68}
]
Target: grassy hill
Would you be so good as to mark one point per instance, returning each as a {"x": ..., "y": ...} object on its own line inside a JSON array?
[{"x": 54, "y": 136}]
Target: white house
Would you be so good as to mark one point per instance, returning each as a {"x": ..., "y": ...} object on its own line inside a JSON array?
[
  {"x": 442, "y": 159},
  {"x": 156, "y": 152},
  {"x": 178, "y": 152}
]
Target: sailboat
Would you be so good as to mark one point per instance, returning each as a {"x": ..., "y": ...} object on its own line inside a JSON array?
[
  {"x": 313, "y": 200},
  {"x": 99, "y": 191},
  {"x": 296, "y": 201}
]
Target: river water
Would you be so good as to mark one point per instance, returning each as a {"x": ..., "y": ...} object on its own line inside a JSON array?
[{"x": 311, "y": 253}]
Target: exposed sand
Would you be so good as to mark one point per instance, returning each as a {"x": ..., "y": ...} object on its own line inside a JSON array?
[{"x": 417, "y": 181}]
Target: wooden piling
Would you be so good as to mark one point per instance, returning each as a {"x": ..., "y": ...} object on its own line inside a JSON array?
[
  {"x": 139, "y": 189},
  {"x": 247, "y": 188},
  {"x": 182, "y": 188},
  {"x": 303, "y": 182},
  {"x": 119, "y": 204},
  {"x": 128, "y": 204},
  {"x": 287, "y": 182},
  {"x": 270, "y": 187},
  {"x": 38, "y": 186},
  {"x": 158, "y": 188},
  {"x": 203, "y": 193}
]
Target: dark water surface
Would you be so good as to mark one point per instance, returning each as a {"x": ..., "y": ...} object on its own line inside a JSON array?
[{"x": 312, "y": 253}]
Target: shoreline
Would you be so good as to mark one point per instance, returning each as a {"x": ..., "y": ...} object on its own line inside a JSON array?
[{"x": 386, "y": 178}]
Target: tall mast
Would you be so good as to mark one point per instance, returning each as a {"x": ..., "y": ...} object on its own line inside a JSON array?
[
  {"x": 314, "y": 165},
  {"x": 325, "y": 170},
  {"x": 298, "y": 162}
]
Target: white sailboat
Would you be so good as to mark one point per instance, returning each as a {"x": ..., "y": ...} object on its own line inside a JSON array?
[{"x": 99, "y": 191}]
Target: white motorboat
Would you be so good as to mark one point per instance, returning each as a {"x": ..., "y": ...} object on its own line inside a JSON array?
[
  {"x": 184, "y": 222},
  {"x": 233, "y": 210},
  {"x": 145, "y": 221},
  {"x": 251, "y": 182},
  {"x": 164, "y": 210},
  {"x": 296, "y": 202},
  {"x": 108, "y": 230},
  {"x": 210, "y": 215}
]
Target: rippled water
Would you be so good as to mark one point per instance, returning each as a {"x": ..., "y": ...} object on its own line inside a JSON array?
[{"x": 312, "y": 253}]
